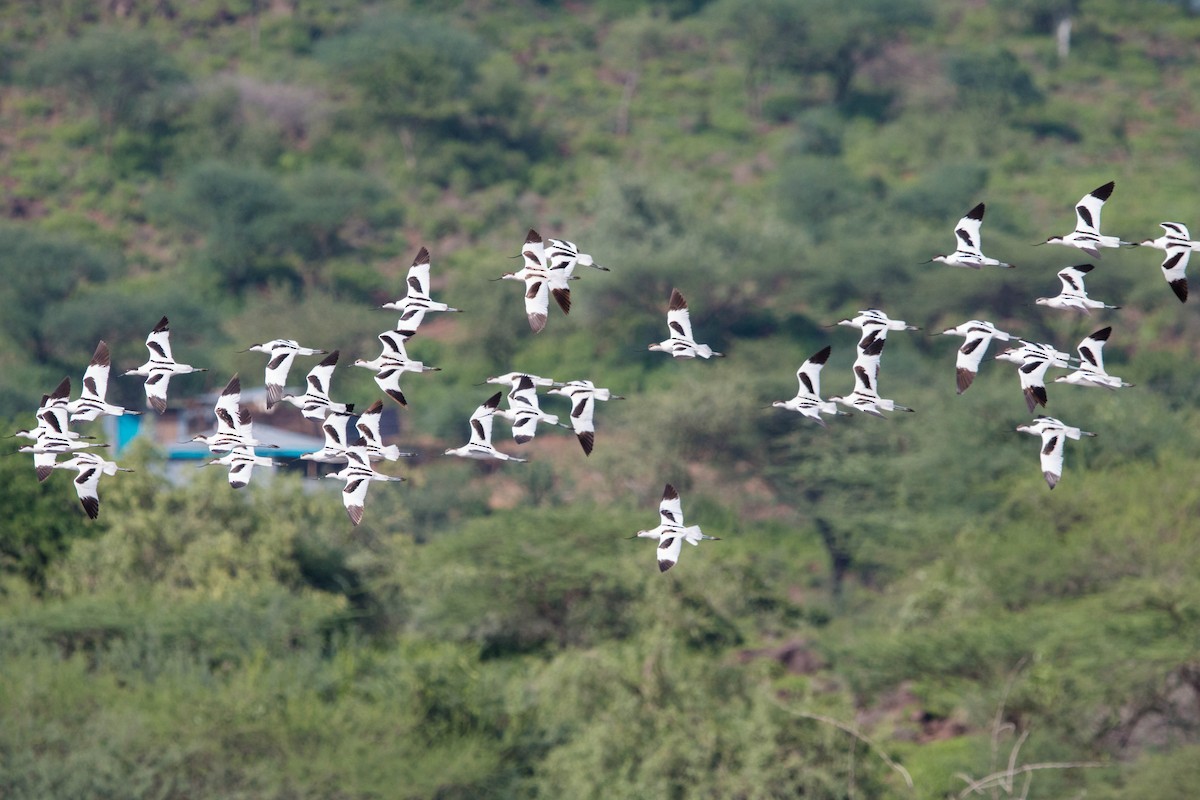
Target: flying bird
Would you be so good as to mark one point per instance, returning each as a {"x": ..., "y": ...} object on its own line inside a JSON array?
[
  {"x": 1091, "y": 370},
  {"x": 90, "y": 467},
  {"x": 1053, "y": 433},
  {"x": 583, "y": 396},
  {"x": 358, "y": 475},
  {"x": 233, "y": 422},
  {"x": 968, "y": 253},
  {"x": 1178, "y": 246},
  {"x": 1073, "y": 295},
  {"x": 671, "y": 533},
  {"x": 1087, "y": 236},
  {"x": 874, "y": 324},
  {"x": 368, "y": 428},
  {"x": 681, "y": 343},
  {"x": 1033, "y": 359},
  {"x": 480, "y": 443},
  {"x": 536, "y": 276},
  {"x": 978, "y": 335},
  {"x": 416, "y": 302},
  {"x": 392, "y": 363},
  {"x": 91, "y": 402},
  {"x": 160, "y": 367},
  {"x": 523, "y": 410},
  {"x": 808, "y": 397},
  {"x": 865, "y": 397},
  {"x": 241, "y": 461},
  {"x": 315, "y": 402},
  {"x": 334, "y": 450},
  {"x": 281, "y": 353}
]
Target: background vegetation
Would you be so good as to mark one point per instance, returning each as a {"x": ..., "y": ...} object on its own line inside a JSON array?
[{"x": 890, "y": 601}]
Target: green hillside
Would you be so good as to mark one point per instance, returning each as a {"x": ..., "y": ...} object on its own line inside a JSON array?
[{"x": 896, "y": 608}]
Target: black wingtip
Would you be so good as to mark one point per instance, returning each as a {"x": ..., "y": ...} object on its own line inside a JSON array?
[
  {"x": 677, "y": 301},
  {"x": 976, "y": 213},
  {"x": 1105, "y": 191}
]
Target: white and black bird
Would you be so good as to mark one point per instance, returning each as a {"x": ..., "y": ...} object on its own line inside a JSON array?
[
  {"x": 234, "y": 424},
  {"x": 671, "y": 533},
  {"x": 358, "y": 474},
  {"x": 561, "y": 259},
  {"x": 315, "y": 402},
  {"x": 480, "y": 444},
  {"x": 1033, "y": 360},
  {"x": 241, "y": 461},
  {"x": 524, "y": 411},
  {"x": 1073, "y": 295},
  {"x": 510, "y": 378},
  {"x": 874, "y": 324},
  {"x": 967, "y": 252},
  {"x": 392, "y": 363},
  {"x": 1177, "y": 243},
  {"x": 280, "y": 354},
  {"x": 562, "y": 251},
  {"x": 808, "y": 396},
  {"x": 1053, "y": 433},
  {"x": 1087, "y": 236},
  {"x": 368, "y": 427},
  {"x": 91, "y": 402},
  {"x": 52, "y": 415},
  {"x": 89, "y": 467},
  {"x": 416, "y": 302},
  {"x": 978, "y": 334},
  {"x": 536, "y": 276},
  {"x": 583, "y": 396},
  {"x": 865, "y": 397},
  {"x": 160, "y": 367},
  {"x": 1091, "y": 370},
  {"x": 333, "y": 451},
  {"x": 681, "y": 343}
]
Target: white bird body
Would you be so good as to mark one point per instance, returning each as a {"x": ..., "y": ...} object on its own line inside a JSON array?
[
  {"x": 1053, "y": 432},
  {"x": 536, "y": 277},
  {"x": 1091, "y": 371},
  {"x": 358, "y": 475},
  {"x": 560, "y": 250},
  {"x": 865, "y": 396},
  {"x": 1177, "y": 243},
  {"x": 416, "y": 302},
  {"x": 510, "y": 379},
  {"x": 91, "y": 402},
  {"x": 368, "y": 428},
  {"x": 160, "y": 367},
  {"x": 808, "y": 397},
  {"x": 48, "y": 446},
  {"x": 392, "y": 363},
  {"x": 1073, "y": 295},
  {"x": 875, "y": 324},
  {"x": 1087, "y": 236},
  {"x": 233, "y": 422},
  {"x": 281, "y": 353},
  {"x": 968, "y": 253},
  {"x": 1033, "y": 359},
  {"x": 523, "y": 410},
  {"x": 978, "y": 334},
  {"x": 681, "y": 343},
  {"x": 334, "y": 450},
  {"x": 241, "y": 461},
  {"x": 315, "y": 402},
  {"x": 583, "y": 395},
  {"x": 90, "y": 467},
  {"x": 671, "y": 533},
  {"x": 480, "y": 444},
  {"x": 52, "y": 416}
]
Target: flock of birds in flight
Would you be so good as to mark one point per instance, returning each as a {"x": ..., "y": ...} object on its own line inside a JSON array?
[{"x": 547, "y": 272}]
